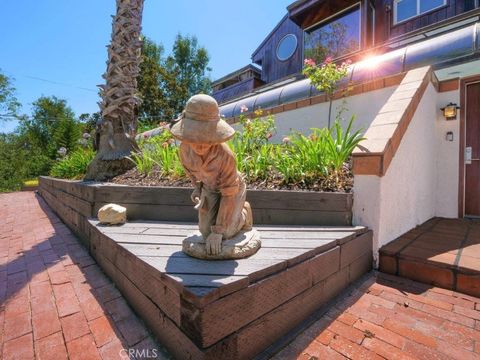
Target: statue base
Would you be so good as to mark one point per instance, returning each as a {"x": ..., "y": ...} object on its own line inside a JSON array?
[{"x": 244, "y": 244}]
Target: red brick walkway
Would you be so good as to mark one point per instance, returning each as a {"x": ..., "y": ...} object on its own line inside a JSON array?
[
  {"x": 393, "y": 318},
  {"x": 55, "y": 302}
]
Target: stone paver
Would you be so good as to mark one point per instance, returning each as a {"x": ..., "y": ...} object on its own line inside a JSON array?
[
  {"x": 388, "y": 317},
  {"x": 55, "y": 302}
]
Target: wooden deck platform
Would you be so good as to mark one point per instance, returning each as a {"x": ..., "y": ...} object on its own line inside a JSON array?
[{"x": 228, "y": 309}]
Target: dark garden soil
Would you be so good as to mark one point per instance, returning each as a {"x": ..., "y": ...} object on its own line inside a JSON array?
[{"x": 339, "y": 182}]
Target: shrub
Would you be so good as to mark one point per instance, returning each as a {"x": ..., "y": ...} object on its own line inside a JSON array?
[{"x": 73, "y": 166}]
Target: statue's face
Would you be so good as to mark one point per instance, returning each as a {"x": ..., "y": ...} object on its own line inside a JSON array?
[{"x": 200, "y": 149}]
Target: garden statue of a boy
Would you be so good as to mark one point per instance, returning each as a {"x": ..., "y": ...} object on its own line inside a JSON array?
[{"x": 225, "y": 218}]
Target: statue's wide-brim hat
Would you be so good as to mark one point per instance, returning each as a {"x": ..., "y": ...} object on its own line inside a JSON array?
[{"x": 200, "y": 122}]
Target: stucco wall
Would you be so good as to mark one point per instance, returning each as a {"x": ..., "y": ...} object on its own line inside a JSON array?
[
  {"x": 422, "y": 179},
  {"x": 447, "y": 158},
  {"x": 365, "y": 106}
]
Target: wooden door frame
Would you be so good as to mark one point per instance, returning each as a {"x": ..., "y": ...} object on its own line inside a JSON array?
[{"x": 461, "y": 171}]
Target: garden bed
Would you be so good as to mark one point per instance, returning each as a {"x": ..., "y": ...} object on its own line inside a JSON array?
[{"x": 341, "y": 182}]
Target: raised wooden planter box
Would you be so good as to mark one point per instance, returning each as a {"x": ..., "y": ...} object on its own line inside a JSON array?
[
  {"x": 174, "y": 204},
  {"x": 230, "y": 309}
]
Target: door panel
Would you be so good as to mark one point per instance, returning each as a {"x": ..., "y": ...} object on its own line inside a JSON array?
[{"x": 472, "y": 137}]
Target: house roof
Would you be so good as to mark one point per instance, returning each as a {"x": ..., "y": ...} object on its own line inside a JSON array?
[
  {"x": 238, "y": 72},
  {"x": 450, "y": 48},
  {"x": 295, "y": 4}
]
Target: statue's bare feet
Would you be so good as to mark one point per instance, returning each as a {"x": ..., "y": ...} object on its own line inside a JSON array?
[{"x": 214, "y": 244}]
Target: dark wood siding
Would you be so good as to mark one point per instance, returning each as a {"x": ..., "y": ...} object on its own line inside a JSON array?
[
  {"x": 387, "y": 30},
  {"x": 272, "y": 68}
]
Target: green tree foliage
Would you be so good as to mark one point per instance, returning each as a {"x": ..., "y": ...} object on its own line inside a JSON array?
[
  {"x": 12, "y": 163},
  {"x": 89, "y": 121},
  {"x": 33, "y": 148},
  {"x": 51, "y": 126},
  {"x": 189, "y": 63},
  {"x": 154, "y": 83},
  {"x": 8, "y": 102},
  {"x": 166, "y": 83}
]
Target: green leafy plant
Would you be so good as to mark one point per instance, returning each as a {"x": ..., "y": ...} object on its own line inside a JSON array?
[
  {"x": 251, "y": 142},
  {"x": 310, "y": 152},
  {"x": 73, "y": 166},
  {"x": 143, "y": 162},
  {"x": 325, "y": 77},
  {"x": 161, "y": 153},
  {"x": 341, "y": 143}
]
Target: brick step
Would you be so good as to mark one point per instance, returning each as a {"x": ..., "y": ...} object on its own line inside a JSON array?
[{"x": 440, "y": 252}]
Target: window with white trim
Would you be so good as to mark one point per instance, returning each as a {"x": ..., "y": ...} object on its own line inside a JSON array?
[{"x": 407, "y": 9}]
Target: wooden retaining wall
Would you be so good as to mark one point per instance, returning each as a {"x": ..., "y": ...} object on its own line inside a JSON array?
[
  {"x": 229, "y": 309},
  {"x": 72, "y": 201},
  {"x": 75, "y": 200}
]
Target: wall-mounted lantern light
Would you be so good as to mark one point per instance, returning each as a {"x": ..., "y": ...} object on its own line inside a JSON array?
[{"x": 450, "y": 111}]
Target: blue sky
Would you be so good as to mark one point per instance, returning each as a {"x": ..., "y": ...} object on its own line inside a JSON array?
[{"x": 57, "y": 47}]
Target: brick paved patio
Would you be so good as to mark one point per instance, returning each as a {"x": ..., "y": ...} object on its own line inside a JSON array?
[
  {"x": 56, "y": 302},
  {"x": 393, "y": 318}
]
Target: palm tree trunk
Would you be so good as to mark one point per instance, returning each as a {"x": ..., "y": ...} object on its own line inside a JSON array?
[{"x": 115, "y": 132}]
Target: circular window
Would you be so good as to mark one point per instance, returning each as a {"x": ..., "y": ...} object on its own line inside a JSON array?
[{"x": 286, "y": 47}]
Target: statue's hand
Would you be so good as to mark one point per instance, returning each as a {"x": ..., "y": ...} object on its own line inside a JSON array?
[
  {"x": 196, "y": 194},
  {"x": 214, "y": 244}
]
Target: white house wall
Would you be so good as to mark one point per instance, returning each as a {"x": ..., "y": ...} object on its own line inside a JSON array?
[
  {"x": 447, "y": 158},
  {"x": 422, "y": 179},
  {"x": 365, "y": 106}
]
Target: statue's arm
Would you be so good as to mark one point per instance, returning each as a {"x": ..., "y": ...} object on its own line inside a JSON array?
[
  {"x": 229, "y": 186},
  {"x": 185, "y": 160},
  {"x": 224, "y": 215}
]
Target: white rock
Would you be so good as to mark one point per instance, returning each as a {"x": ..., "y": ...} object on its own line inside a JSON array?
[{"x": 112, "y": 214}]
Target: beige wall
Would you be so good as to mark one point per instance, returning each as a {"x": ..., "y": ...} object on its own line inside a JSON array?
[
  {"x": 422, "y": 179},
  {"x": 365, "y": 106}
]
